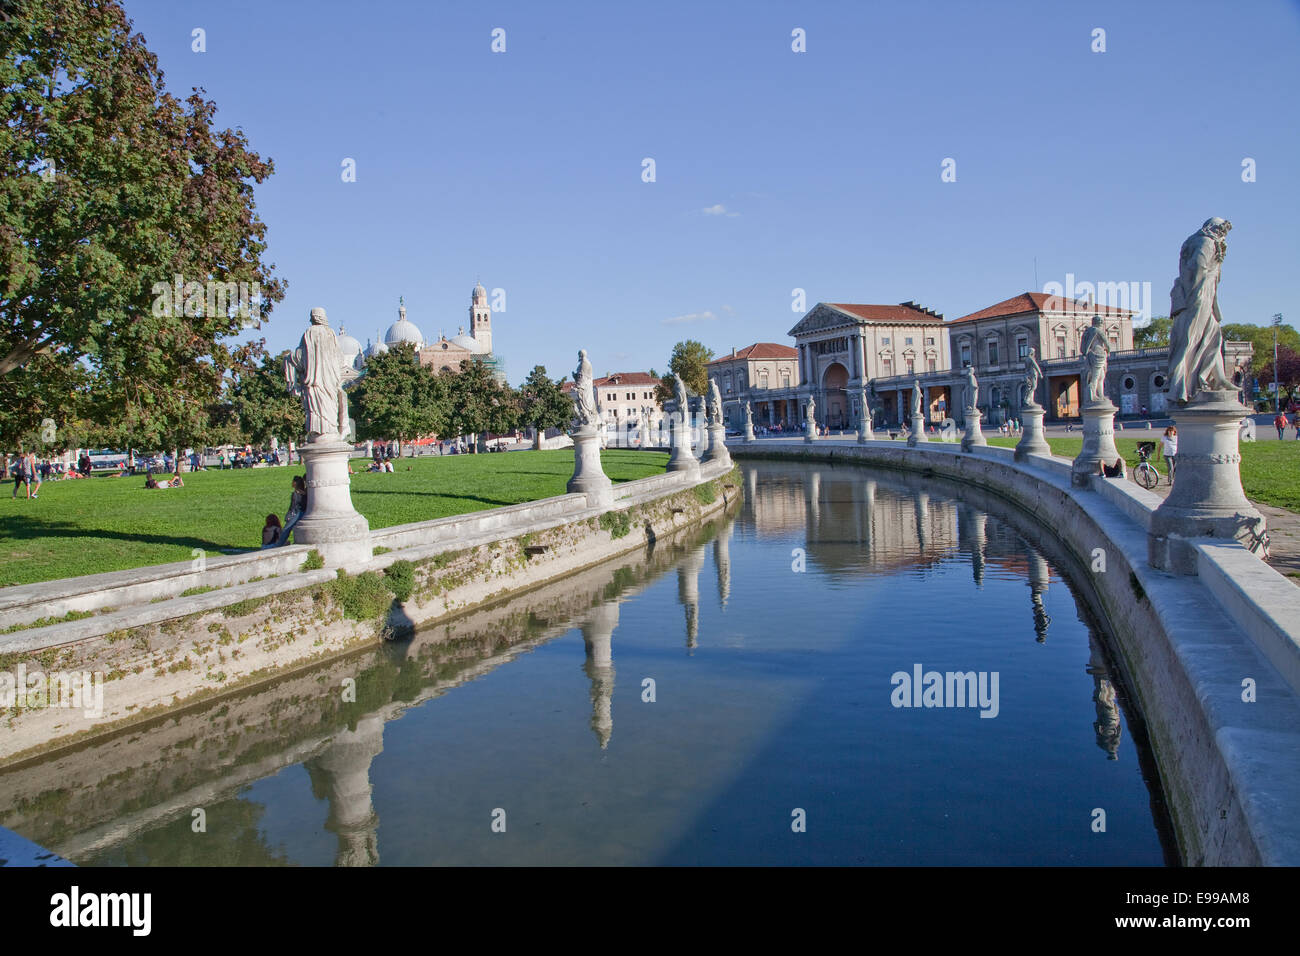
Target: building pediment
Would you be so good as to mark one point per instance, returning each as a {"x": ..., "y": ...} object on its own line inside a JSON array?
[{"x": 822, "y": 318}]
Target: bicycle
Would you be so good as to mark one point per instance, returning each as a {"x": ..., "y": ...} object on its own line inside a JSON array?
[{"x": 1145, "y": 474}]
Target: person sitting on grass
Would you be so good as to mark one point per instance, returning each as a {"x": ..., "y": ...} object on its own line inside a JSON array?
[
  {"x": 149, "y": 480},
  {"x": 1113, "y": 471},
  {"x": 271, "y": 532}
]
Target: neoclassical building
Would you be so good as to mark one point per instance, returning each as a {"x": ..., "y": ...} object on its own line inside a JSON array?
[
  {"x": 765, "y": 374},
  {"x": 620, "y": 397},
  {"x": 842, "y": 347}
]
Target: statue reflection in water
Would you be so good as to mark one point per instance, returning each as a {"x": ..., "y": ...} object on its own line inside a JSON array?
[
  {"x": 1039, "y": 575},
  {"x": 1107, "y": 726},
  {"x": 597, "y": 636},
  {"x": 340, "y": 774},
  {"x": 688, "y": 592}
]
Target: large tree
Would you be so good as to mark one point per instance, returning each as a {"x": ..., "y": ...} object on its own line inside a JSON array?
[
  {"x": 477, "y": 403},
  {"x": 398, "y": 397},
  {"x": 1261, "y": 337},
  {"x": 262, "y": 406},
  {"x": 110, "y": 189},
  {"x": 1154, "y": 334},
  {"x": 689, "y": 362},
  {"x": 543, "y": 403}
]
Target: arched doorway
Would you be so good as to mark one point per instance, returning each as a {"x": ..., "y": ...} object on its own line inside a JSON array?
[{"x": 835, "y": 388}]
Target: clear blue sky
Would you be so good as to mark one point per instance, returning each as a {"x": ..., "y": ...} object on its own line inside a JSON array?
[{"x": 523, "y": 168}]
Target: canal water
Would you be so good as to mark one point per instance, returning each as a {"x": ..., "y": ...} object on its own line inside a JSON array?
[{"x": 770, "y": 689}]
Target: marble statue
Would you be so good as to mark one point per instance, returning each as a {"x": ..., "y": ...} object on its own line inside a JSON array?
[
  {"x": 916, "y": 398},
  {"x": 715, "y": 403},
  {"x": 1096, "y": 354},
  {"x": 972, "y": 388},
  {"x": 749, "y": 415},
  {"x": 810, "y": 411},
  {"x": 584, "y": 398},
  {"x": 1196, "y": 361},
  {"x": 679, "y": 390},
  {"x": 1033, "y": 373},
  {"x": 314, "y": 371}
]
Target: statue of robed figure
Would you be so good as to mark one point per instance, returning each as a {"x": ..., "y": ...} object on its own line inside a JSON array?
[
  {"x": 1196, "y": 362},
  {"x": 1033, "y": 373},
  {"x": 314, "y": 371},
  {"x": 972, "y": 388},
  {"x": 715, "y": 403},
  {"x": 584, "y": 396},
  {"x": 916, "y": 398},
  {"x": 1096, "y": 355}
]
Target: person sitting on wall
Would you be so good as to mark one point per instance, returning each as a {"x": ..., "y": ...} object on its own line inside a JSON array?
[
  {"x": 271, "y": 531},
  {"x": 1116, "y": 470}
]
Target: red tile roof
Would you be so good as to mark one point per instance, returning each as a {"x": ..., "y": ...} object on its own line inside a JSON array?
[
  {"x": 905, "y": 312},
  {"x": 626, "y": 378},
  {"x": 1040, "y": 302},
  {"x": 760, "y": 350}
]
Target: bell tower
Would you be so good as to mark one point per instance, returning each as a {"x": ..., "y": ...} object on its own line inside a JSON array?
[{"x": 480, "y": 318}]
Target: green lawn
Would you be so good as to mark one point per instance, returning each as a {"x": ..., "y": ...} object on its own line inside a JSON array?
[
  {"x": 1270, "y": 470},
  {"x": 110, "y": 524}
]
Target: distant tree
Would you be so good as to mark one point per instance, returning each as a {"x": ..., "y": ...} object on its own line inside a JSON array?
[
  {"x": 689, "y": 361},
  {"x": 1261, "y": 337},
  {"x": 477, "y": 403},
  {"x": 261, "y": 405},
  {"x": 110, "y": 188},
  {"x": 1288, "y": 368},
  {"x": 1152, "y": 335},
  {"x": 543, "y": 403},
  {"x": 398, "y": 397}
]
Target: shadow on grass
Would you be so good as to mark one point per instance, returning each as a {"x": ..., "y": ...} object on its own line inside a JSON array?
[
  {"x": 490, "y": 502},
  {"x": 30, "y": 530}
]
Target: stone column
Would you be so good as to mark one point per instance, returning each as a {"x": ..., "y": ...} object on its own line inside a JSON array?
[
  {"x": 718, "y": 444},
  {"x": 1207, "y": 500},
  {"x": 1033, "y": 441},
  {"x": 588, "y": 477},
  {"x": 681, "y": 458},
  {"x": 1098, "y": 442},
  {"x": 973, "y": 437},
  {"x": 702, "y": 446},
  {"x": 330, "y": 523}
]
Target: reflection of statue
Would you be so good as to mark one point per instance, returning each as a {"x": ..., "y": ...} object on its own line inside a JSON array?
[
  {"x": 584, "y": 399},
  {"x": 1196, "y": 335},
  {"x": 1096, "y": 353},
  {"x": 972, "y": 388},
  {"x": 314, "y": 370},
  {"x": 1033, "y": 372},
  {"x": 714, "y": 412},
  {"x": 1107, "y": 726},
  {"x": 916, "y": 398}
]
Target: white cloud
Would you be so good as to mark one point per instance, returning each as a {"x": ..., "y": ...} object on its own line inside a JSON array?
[
  {"x": 690, "y": 317},
  {"x": 719, "y": 210}
]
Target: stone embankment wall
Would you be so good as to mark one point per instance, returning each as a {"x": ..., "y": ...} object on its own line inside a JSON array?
[
  {"x": 201, "y": 637},
  {"x": 1213, "y": 660}
]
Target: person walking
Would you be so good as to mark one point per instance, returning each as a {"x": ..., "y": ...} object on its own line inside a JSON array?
[
  {"x": 33, "y": 475},
  {"x": 1169, "y": 447},
  {"x": 1280, "y": 424},
  {"x": 20, "y": 475}
]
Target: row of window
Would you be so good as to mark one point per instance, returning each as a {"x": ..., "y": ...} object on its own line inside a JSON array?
[
  {"x": 907, "y": 340},
  {"x": 627, "y": 396},
  {"x": 1022, "y": 348}
]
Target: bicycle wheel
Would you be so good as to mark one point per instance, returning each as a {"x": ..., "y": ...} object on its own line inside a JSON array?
[{"x": 1146, "y": 476}]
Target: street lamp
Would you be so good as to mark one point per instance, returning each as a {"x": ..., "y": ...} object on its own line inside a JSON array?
[{"x": 1277, "y": 396}]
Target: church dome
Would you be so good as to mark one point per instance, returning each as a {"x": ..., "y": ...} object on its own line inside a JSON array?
[
  {"x": 468, "y": 343},
  {"x": 480, "y": 294},
  {"x": 403, "y": 331},
  {"x": 378, "y": 348},
  {"x": 349, "y": 346}
]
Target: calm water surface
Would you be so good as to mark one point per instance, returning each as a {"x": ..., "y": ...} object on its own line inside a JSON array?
[{"x": 772, "y": 639}]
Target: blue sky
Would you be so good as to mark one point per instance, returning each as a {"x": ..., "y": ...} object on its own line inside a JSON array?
[{"x": 775, "y": 170}]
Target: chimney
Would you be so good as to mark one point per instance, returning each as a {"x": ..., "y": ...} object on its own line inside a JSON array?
[{"x": 733, "y": 351}]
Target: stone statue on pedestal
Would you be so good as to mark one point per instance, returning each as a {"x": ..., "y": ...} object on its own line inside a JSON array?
[
  {"x": 679, "y": 390},
  {"x": 810, "y": 411},
  {"x": 1096, "y": 354},
  {"x": 1196, "y": 362},
  {"x": 749, "y": 417},
  {"x": 314, "y": 371},
  {"x": 972, "y": 388},
  {"x": 714, "y": 412},
  {"x": 584, "y": 398},
  {"x": 1033, "y": 372},
  {"x": 916, "y": 398}
]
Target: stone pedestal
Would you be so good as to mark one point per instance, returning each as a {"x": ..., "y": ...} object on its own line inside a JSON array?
[
  {"x": 1098, "y": 442},
  {"x": 329, "y": 523},
  {"x": 718, "y": 445},
  {"x": 918, "y": 431},
  {"x": 809, "y": 432},
  {"x": 1206, "y": 500},
  {"x": 1033, "y": 441},
  {"x": 749, "y": 430},
  {"x": 973, "y": 437},
  {"x": 681, "y": 458},
  {"x": 588, "y": 477}
]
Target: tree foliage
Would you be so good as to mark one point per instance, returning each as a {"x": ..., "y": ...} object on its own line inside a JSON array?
[
  {"x": 543, "y": 403},
  {"x": 110, "y": 188},
  {"x": 478, "y": 403},
  {"x": 1154, "y": 334},
  {"x": 689, "y": 362},
  {"x": 261, "y": 405},
  {"x": 1261, "y": 337},
  {"x": 398, "y": 397}
]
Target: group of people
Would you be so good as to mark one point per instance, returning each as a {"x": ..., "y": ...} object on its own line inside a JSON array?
[
  {"x": 29, "y": 474},
  {"x": 1280, "y": 423}
]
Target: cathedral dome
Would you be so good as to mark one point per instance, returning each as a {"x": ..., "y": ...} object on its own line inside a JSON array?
[
  {"x": 349, "y": 346},
  {"x": 378, "y": 348},
  {"x": 403, "y": 331},
  {"x": 468, "y": 343}
]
